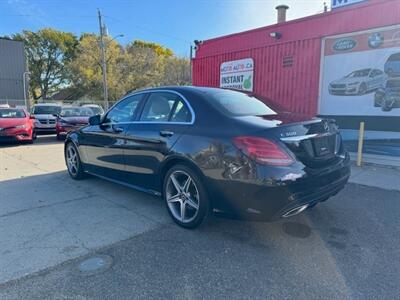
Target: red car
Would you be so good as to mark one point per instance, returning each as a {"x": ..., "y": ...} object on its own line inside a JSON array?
[
  {"x": 16, "y": 125},
  {"x": 72, "y": 118}
]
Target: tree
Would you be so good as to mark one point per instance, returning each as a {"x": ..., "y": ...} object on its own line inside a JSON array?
[
  {"x": 87, "y": 71},
  {"x": 158, "y": 49},
  {"x": 177, "y": 71},
  {"x": 48, "y": 52}
]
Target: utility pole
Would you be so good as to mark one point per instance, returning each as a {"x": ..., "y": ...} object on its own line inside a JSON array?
[
  {"x": 191, "y": 65},
  {"x": 103, "y": 61}
]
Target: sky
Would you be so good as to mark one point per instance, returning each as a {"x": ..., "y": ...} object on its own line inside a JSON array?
[{"x": 172, "y": 23}]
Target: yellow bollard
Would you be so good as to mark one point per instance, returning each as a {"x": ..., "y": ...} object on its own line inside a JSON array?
[{"x": 360, "y": 144}]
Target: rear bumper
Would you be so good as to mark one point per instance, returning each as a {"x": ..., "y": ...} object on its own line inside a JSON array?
[
  {"x": 272, "y": 199},
  {"x": 63, "y": 131}
]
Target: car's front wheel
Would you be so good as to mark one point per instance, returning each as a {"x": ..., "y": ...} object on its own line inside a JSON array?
[
  {"x": 363, "y": 89},
  {"x": 185, "y": 196},
  {"x": 73, "y": 161}
]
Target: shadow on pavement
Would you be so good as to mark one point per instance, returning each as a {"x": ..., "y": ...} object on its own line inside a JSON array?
[{"x": 41, "y": 140}]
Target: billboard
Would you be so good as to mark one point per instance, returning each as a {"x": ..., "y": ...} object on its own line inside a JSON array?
[
  {"x": 341, "y": 3},
  {"x": 360, "y": 74},
  {"x": 237, "y": 74}
]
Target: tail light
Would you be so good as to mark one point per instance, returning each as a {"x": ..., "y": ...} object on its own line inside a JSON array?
[{"x": 263, "y": 151}]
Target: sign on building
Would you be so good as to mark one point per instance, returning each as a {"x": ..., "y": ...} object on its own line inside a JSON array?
[
  {"x": 361, "y": 74},
  {"x": 341, "y": 3},
  {"x": 237, "y": 74}
]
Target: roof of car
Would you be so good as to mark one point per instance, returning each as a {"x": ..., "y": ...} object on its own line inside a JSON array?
[
  {"x": 189, "y": 88},
  {"x": 47, "y": 104}
]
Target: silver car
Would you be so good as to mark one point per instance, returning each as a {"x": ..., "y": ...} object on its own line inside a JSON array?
[
  {"x": 46, "y": 116},
  {"x": 358, "y": 82}
]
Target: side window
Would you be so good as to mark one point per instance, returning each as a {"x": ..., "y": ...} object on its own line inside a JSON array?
[
  {"x": 181, "y": 113},
  {"x": 158, "y": 107},
  {"x": 124, "y": 111}
]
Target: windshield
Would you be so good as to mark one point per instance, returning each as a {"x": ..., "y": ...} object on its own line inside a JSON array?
[
  {"x": 96, "y": 110},
  {"x": 11, "y": 113},
  {"x": 239, "y": 104},
  {"x": 76, "y": 112},
  {"x": 359, "y": 73},
  {"x": 46, "y": 110}
]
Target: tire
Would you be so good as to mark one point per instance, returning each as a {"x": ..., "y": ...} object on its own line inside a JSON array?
[
  {"x": 191, "y": 194},
  {"x": 73, "y": 162},
  {"x": 34, "y": 135}
]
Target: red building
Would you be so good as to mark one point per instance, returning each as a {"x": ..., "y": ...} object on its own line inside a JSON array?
[{"x": 288, "y": 60}]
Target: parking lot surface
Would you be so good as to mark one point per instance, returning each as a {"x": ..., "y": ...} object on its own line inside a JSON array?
[{"x": 345, "y": 248}]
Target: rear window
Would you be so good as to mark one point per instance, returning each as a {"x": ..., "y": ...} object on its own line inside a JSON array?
[
  {"x": 46, "y": 110},
  {"x": 11, "y": 113},
  {"x": 239, "y": 104}
]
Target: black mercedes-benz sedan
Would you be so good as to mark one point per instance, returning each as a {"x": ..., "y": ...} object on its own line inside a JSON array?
[{"x": 212, "y": 150}]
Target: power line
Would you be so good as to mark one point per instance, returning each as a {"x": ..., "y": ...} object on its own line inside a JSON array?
[{"x": 149, "y": 30}]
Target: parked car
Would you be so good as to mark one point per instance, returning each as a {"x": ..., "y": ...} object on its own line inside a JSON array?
[
  {"x": 4, "y": 106},
  {"x": 45, "y": 114},
  {"x": 209, "y": 149},
  {"x": 392, "y": 65},
  {"x": 16, "y": 125},
  {"x": 389, "y": 97},
  {"x": 97, "y": 109},
  {"x": 358, "y": 82},
  {"x": 72, "y": 118}
]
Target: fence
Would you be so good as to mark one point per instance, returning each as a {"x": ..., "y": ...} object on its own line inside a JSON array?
[
  {"x": 13, "y": 102},
  {"x": 21, "y": 102}
]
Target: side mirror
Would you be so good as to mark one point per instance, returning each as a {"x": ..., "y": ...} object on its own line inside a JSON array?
[
  {"x": 95, "y": 120},
  {"x": 32, "y": 117}
]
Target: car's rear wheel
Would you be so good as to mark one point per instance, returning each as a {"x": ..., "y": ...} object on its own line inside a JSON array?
[
  {"x": 73, "y": 161},
  {"x": 185, "y": 196}
]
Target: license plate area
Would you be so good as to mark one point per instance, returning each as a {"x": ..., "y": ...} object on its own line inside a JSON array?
[{"x": 323, "y": 146}]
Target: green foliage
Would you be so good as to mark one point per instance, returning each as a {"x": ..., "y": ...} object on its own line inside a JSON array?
[
  {"x": 48, "y": 52},
  {"x": 159, "y": 50}
]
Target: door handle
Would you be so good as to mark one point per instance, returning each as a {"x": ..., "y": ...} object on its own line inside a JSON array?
[
  {"x": 166, "y": 133},
  {"x": 117, "y": 129}
]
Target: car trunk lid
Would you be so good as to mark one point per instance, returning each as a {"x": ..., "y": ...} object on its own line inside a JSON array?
[{"x": 315, "y": 142}]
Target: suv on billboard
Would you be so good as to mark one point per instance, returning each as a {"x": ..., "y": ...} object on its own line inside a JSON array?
[
  {"x": 392, "y": 65},
  {"x": 389, "y": 97},
  {"x": 358, "y": 82}
]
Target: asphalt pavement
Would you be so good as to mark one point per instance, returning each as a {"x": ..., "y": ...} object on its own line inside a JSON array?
[{"x": 345, "y": 248}]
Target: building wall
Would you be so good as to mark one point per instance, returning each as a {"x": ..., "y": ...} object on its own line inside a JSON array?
[
  {"x": 12, "y": 68},
  {"x": 295, "y": 87}
]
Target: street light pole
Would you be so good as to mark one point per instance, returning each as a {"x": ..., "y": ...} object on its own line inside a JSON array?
[
  {"x": 24, "y": 86},
  {"x": 103, "y": 62}
]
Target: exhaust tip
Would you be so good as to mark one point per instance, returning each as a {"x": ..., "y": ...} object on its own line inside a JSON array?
[{"x": 295, "y": 211}]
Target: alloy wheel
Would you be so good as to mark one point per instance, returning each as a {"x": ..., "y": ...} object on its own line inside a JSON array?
[
  {"x": 72, "y": 160},
  {"x": 182, "y": 196}
]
